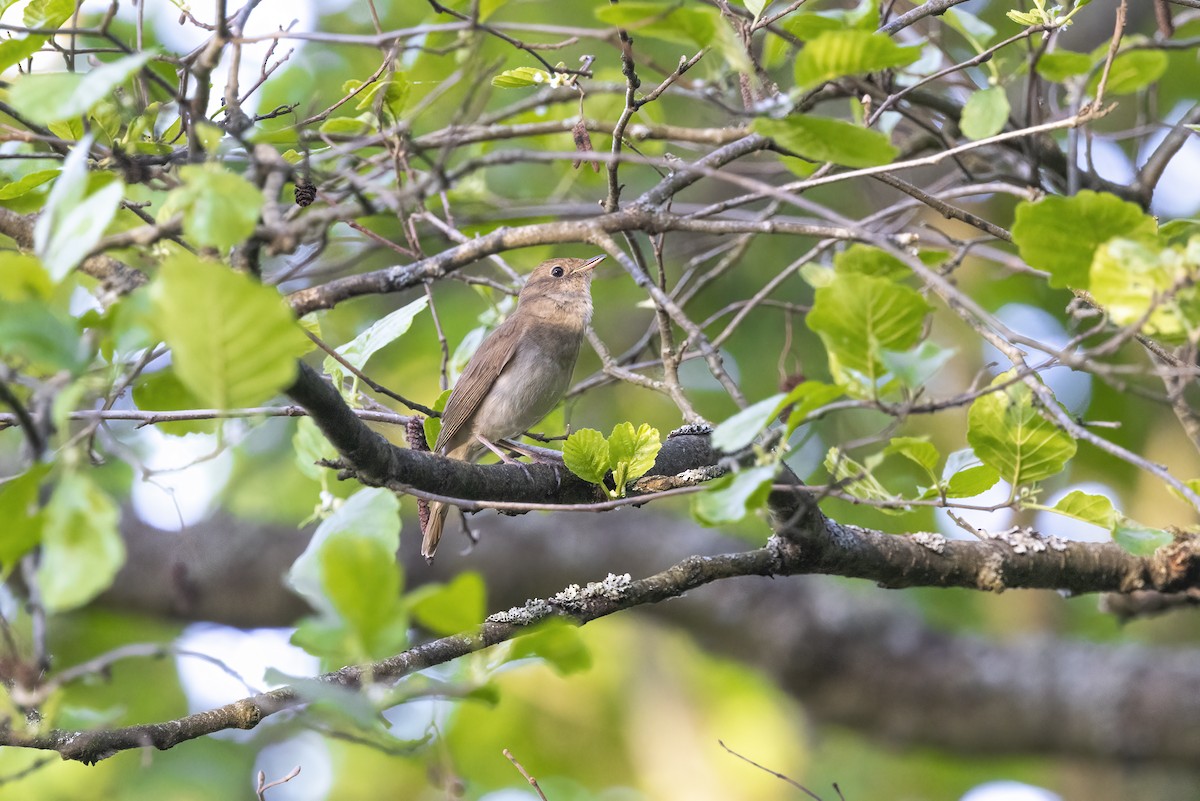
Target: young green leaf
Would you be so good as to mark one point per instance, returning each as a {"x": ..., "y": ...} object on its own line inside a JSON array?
[
  {"x": 985, "y": 113},
  {"x": 74, "y": 220},
  {"x": 915, "y": 367},
  {"x": 964, "y": 476},
  {"x": 521, "y": 77},
  {"x": 27, "y": 184},
  {"x": 373, "y": 513},
  {"x": 162, "y": 391},
  {"x": 856, "y": 479},
  {"x": 1131, "y": 72},
  {"x": 1060, "y": 65},
  {"x": 916, "y": 449},
  {"x": 15, "y": 50},
  {"x": 1060, "y": 234},
  {"x": 631, "y": 453},
  {"x": 825, "y": 139},
  {"x": 1095, "y": 509},
  {"x": 452, "y": 608},
  {"x": 382, "y": 332},
  {"x": 858, "y": 315},
  {"x": 1139, "y": 540},
  {"x": 233, "y": 341},
  {"x": 740, "y": 430},
  {"x": 1009, "y": 433},
  {"x": 433, "y": 425},
  {"x": 21, "y": 509},
  {"x": 50, "y": 97},
  {"x": 849, "y": 52},
  {"x": 558, "y": 642},
  {"x": 46, "y": 338},
  {"x": 82, "y": 548},
  {"x": 586, "y": 454},
  {"x": 975, "y": 30},
  {"x": 361, "y": 581},
  {"x": 808, "y": 397},
  {"x": 671, "y": 23},
  {"x": 729, "y": 498},
  {"x": 219, "y": 208},
  {"x": 870, "y": 260},
  {"x": 1130, "y": 278},
  {"x": 310, "y": 447}
]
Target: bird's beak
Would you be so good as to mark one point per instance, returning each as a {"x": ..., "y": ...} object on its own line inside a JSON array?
[{"x": 590, "y": 264}]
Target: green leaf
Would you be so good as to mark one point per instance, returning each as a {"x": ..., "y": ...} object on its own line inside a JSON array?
[
  {"x": 164, "y": 392},
  {"x": 521, "y": 77},
  {"x": 558, "y": 642},
  {"x": 972, "y": 481},
  {"x": 964, "y": 476},
  {"x": 395, "y": 93},
  {"x": 826, "y": 139},
  {"x": 631, "y": 453},
  {"x": 345, "y": 126},
  {"x": 808, "y": 397},
  {"x": 220, "y": 209},
  {"x": 27, "y": 184},
  {"x": 35, "y": 333},
  {"x": 49, "y": 97},
  {"x": 1140, "y": 540},
  {"x": 234, "y": 342},
  {"x": 20, "y": 508},
  {"x": 23, "y": 278},
  {"x": 82, "y": 548},
  {"x": 361, "y": 580},
  {"x": 452, "y": 608},
  {"x": 381, "y": 333},
  {"x": 73, "y": 220},
  {"x": 849, "y": 52},
  {"x": 729, "y": 498},
  {"x": 807, "y": 26},
  {"x": 975, "y": 30},
  {"x": 1009, "y": 433},
  {"x": 755, "y": 7},
  {"x": 740, "y": 430},
  {"x": 1063, "y": 64},
  {"x": 1060, "y": 234},
  {"x": 1131, "y": 72},
  {"x": 917, "y": 449},
  {"x": 368, "y": 513},
  {"x": 857, "y": 316},
  {"x": 1095, "y": 509},
  {"x": 311, "y": 446},
  {"x": 857, "y": 480},
  {"x": 48, "y": 13},
  {"x": 985, "y": 113},
  {"x": 671, "y": 23},
  {"x": 585, "y": 453},
  {"x": 915, "y": 367},
  {"x": 1179, "y": 229},
  {"x": 433, "y": 425},
  {"x": 870, "y": 260},
  {"x": 1129, "y": 278},
  {"x": 14, "y": 51}
]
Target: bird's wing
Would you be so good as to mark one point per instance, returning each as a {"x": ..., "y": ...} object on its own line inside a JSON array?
[{"x": 476, "y": 381}]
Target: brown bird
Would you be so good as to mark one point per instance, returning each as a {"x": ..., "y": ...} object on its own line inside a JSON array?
[{"x": 520, "y": 372}]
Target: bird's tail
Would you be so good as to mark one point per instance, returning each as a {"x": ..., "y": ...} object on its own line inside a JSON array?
[{"x": 433, "y": 529}]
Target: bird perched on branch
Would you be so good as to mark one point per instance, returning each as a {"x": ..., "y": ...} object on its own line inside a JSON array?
[{"x": 520, "y": 372}]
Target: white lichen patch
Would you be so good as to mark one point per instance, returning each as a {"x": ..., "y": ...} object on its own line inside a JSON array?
[
  {"x": 534, "y": 610},
  {"x": 1026, "y": 540},
  {"x": 612, "y": 587},
  {"x": 930, "y": 540}
]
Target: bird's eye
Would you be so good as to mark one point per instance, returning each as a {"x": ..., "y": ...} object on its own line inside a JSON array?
[{"x": 557, "y": 272}]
